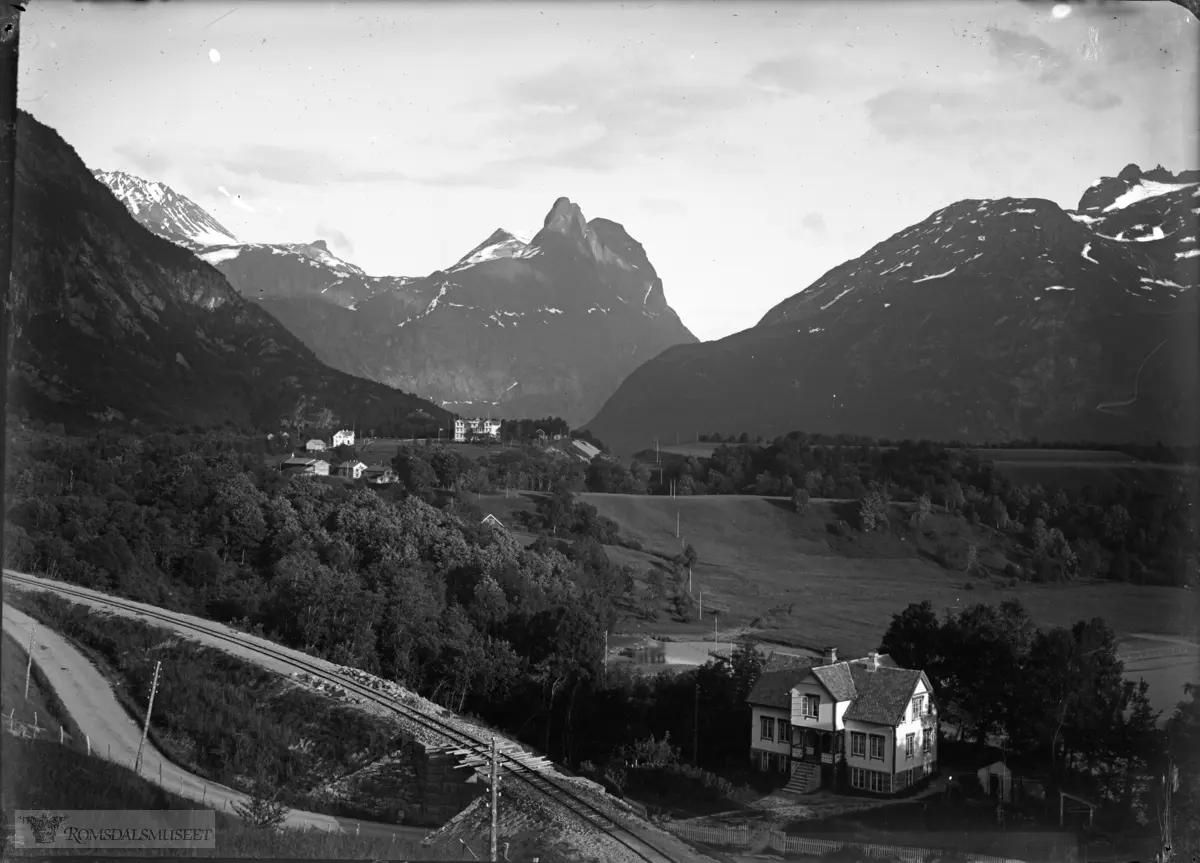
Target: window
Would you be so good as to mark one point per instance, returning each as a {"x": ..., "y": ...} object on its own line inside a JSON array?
[
  {"x": 879, "y": 781},
  {"x": 783, "y": 764},
  {"x": 858, "y": 744},
  {"x": 785, "y": 732},
  {"x": 858, "y": 777},
  {"x": 916, "y": 707},
  {"x": 927, "y": 740},
  {"x": 877, "y": 746},
  {"x": 910, "y": 745},
  {"x": 766, "y": 728},
  {"x": 810, "y": 706}
]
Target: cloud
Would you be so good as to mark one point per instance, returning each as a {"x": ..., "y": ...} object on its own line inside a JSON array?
[
  {"x": 1032, "y": 57},
  {"x": 908, "y": 113},
  {"x": 582, "y": 116},
  {"x": 1028, "y": 53},
  {"x": 814, "y": 222},
  {"x": 663, "y": 206},
  {"x": 340, "y": 241},
  {"x": 248, "y": 163}
]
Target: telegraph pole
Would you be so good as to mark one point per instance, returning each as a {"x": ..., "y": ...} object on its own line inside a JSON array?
[
  {"x": 28, "y": 664},
  {"x": 146, "y": 727},
  {"x": 696, "y": 730},
  {"x": 495, "y": 798}
]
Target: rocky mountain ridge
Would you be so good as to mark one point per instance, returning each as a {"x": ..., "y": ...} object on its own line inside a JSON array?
[{"x": 988, "y": 320}]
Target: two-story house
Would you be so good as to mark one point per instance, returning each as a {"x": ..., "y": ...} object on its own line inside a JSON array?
[
  {"x": 345, "y": 437},
  {"x": 350, "y": 469},
  {"x": 866, "y": 717}
]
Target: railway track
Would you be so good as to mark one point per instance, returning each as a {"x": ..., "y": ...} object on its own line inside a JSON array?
[{"x": 527, "y": 769}]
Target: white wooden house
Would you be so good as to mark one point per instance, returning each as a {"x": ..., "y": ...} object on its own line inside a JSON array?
[
  {"x": 315, "y": 445},
  {"x": 876, "y": 719},
  {"x": 345, "y": 437},
  {"x": 350, "y": 469}
]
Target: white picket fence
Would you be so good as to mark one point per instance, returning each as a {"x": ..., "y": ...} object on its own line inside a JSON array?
[
  {"x": 724, "y": 835},
  {"x": 785, "y": 844}
]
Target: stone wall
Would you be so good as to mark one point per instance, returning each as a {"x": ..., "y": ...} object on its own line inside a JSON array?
[{"x": 407, "y": 786}]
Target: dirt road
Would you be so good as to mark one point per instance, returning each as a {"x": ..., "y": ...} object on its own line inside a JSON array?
[{"x": 90, "y": 701}]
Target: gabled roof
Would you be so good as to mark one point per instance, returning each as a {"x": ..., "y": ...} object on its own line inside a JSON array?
[
  {"x": 883, "y": 695},
  {"x": 298, "y": 461},
  {"x": 774, "y": 688},
  {"x": 777, "y": 661},
  {"x": 836, "y": 678},
  {"x": 350, "y": 463},
  {"x": 378, "y": 468}
]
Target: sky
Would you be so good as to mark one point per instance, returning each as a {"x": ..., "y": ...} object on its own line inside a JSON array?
[{"x": 748, "y": 146}]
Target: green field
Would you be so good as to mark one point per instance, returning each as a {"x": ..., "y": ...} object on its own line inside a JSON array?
[{"x": 761, "y": 563}]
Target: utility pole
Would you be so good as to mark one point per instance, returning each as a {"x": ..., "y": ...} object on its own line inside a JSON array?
[
  {"x": 28, "y": 664},
  {"x": 700, "y": 613},
  {"x": 606, "y": 656},
  {"x": 495, "y": 798},
  {"x": 677, "y": 524},
  {"x": 696, "y": 730},
  {"x": 146, "y": 727},
  {"x": 716, "y": 645}
]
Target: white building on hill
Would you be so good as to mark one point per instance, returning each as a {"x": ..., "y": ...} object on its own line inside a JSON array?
[
  {"x": 343, "y": 438},
  {"x": 475, "y": 426}
]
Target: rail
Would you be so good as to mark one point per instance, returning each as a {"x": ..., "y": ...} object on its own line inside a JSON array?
[{"x": 523, "y": 766}]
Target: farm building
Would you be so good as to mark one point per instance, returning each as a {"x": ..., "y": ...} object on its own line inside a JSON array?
[
  {"x": 877, "y": 719},
  {"x": 490, "y": 519},
  {"x": 302, "y": 465},
  {"x": 315, "y": 445},
  {"x": 343, "y": 438},
  {"x": 379, "y": 474},
  {"x": 996, "y": 780},
  {"x": 350, "y": 469}
]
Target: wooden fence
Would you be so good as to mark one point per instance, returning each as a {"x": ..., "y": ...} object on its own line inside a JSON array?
[
  {"x": 785, "y": 844},
  {"x": 724, "y": 835}
]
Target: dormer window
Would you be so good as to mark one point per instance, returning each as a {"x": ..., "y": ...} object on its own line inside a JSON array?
[
  {"x": 810, "y": 706},
  {"x": 917, "y": 704}
]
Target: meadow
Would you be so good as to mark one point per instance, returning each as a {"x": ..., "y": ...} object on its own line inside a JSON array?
[{"x": 765, "y": 568}]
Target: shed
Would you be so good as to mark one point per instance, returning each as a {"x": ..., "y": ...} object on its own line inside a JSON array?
[{"x": 996, "y": 780}]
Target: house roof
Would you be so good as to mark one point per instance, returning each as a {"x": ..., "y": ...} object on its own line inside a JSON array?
[
  {"x": 350, "y": 463},
  {"x": 836, "y": 678},
  {"x": 299, "y": 461},
  {"x": 776, "y": 661},
  {"x": 378, "y": 468},
  {"x": 881, "y": 696},
  {"x": 774, "y": 688}
]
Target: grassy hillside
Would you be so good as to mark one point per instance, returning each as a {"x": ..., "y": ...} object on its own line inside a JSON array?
[
  {"x": 763, "y": 565},
  {"x": 42, "y": 705},
  {"x": 42, "y": 774}
]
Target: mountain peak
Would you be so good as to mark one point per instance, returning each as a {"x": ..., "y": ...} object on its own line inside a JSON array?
[
  {"x": 319, "y": 244},
  {"x": 166, "y": 212},
  {"x": 567, "y": 219}
]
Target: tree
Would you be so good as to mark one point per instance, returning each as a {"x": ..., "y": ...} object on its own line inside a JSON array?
[
  {"x": 262, "y": 810},
  {"x": 914, "y": 639},
  {"x": 922, "y": 511},
  {"x": 872, "y": 510},
  {"x": 800, "y": 499},
  {"x": 972, "y": 558}
]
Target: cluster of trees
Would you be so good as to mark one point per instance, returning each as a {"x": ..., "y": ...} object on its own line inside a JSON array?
[
  {"x": 1128, "y": 534},
  {"x": 1058, "y": 696},
  {"x": 383, "y": 581}
]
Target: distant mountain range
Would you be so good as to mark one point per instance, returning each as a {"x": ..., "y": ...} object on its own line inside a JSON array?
[
  {"x": 990, "y": 320},
  {"x": 110, "y": 322},
  {"x": 515, "y": 328}
]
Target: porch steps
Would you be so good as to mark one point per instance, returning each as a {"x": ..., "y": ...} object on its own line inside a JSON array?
[{"x": 806, "y": 778}]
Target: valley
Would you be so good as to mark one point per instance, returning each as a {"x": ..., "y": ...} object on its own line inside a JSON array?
[{"x": 332, "y": 504}]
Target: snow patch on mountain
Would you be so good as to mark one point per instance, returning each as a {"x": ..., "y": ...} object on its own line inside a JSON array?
[
  {"x": 936, "y": 276},
  {"x": 218, "y": 255},
  {"x": 1143, "y": 190},
  {"x": 164, "y": 211},
  {"x": 1087, "y": 247}
]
